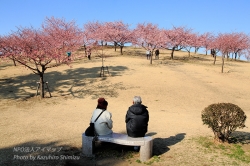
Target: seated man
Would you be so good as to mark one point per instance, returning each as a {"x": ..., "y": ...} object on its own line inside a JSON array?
[{"x": 137, "y": 118}]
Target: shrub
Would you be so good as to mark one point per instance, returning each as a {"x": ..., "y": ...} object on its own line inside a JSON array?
[{"x": 223, "y": 119}]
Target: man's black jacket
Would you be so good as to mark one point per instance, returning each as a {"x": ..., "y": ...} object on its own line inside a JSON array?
[{"x": 137, "y": 118}]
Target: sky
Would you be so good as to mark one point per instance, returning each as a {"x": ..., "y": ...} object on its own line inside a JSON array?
[{"x": 216, "y": 16}]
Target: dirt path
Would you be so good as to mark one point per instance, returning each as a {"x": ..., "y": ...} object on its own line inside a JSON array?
[{"x": 175, "y": 93}]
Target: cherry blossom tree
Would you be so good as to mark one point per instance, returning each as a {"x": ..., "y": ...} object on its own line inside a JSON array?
[
  {"x": 98, "y": 35},
  {"x": 214, "y": 46},
  {"x": 223, "y": 44},
  {"x": 89, "y": 39},
  {"x": 118, "y": 33},
  {"x": 247, "y": 54},
  {"x": 94, "y": 33},
  {"x": 206, "y": 39},
  {"x": 198, "y": 42},
  {"x": 41, "y": 49},
  {"x": 191, "y": 40},
  {"x": 175, "y": 39},
  {"x": 5, "y": 45},
  {"x": 148, "y": 36},
  {"x": 238, "y": 42},
  {"x": 228, "y": 43}
]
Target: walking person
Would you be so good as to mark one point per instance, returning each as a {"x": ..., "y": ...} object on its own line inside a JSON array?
[
  {"x": 89, "y": 54},
  {"x": 157, "y": 52},
  {"x": 68, "y": 55},
  {"x": 148, "y": 54}
]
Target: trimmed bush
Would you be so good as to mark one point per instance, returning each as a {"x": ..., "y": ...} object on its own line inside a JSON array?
[{"x": 223, "y": 119}]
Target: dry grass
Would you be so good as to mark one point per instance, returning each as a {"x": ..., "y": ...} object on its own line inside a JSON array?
[{"x": 175, "y": 91}]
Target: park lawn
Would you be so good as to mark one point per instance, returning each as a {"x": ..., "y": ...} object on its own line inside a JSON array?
[{"x": 175, "y": 91}]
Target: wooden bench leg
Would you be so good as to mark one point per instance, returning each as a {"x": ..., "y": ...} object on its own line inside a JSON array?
[
  {"x": 87, "y": 145},
  {"x": 102, "y": 73},
  {"x": 146, "y": 150},
  {"x": 37, "y": 88},
  {"x": 107, "y": 70}
]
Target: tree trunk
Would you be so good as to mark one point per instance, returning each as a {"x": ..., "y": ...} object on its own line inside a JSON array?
[
  {"x": 13, "y": 59},
  {"x": 151, "y": 56},
  {"x": 14, "y": 62},
  {"x": 85, "y": 50},
  {"x": 121, "y": 47},
  {"x": 41, "y": 86},
  {"x": 196, "y": 49},
  {"x": 214, "y": 59},
  {"x": 219, "y": 137},
  {"x": 235, "y": 56},
  {"x": 172, "y": 53},
  {"x": 115, "y": 44},
  {"x": 41, "y": 74},
  {"x": 222, "y": 66}
]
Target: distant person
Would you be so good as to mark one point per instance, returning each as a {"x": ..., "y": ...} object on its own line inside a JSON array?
[
  {"x": 89, "y": 54},
  {"x": 148, "y": 54},
  {"x": 137, "y": 118},
  {"x": 157, "y": 52},
  {"x": 68, "y": 55},
  {"x": 212, "y": 52},
  {"x": 104, "y": 123}
]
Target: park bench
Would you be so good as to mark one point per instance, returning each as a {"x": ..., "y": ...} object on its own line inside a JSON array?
[{"x": 145, "y": 143}]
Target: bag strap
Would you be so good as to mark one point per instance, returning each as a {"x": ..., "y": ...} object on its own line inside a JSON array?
[
  {"x": 99, "y": 115},
  {"x": 95, "y": 133}
]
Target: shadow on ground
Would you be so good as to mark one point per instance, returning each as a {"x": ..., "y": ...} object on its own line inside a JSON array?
[
  {"x": 3, "y": 66},
  {"x": 74, "y": 82},
  {"x": 161, "y": 145},
  {"x": 240, "y": 137},
  {"x": 106, "y": 153},
  {"x": 50, "y": 154},
  {"x": 36, "y": 153},
  {"x": 151, "y": 134}
]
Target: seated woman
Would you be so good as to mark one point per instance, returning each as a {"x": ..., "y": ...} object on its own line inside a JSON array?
[{"x": 104, "y": 123}]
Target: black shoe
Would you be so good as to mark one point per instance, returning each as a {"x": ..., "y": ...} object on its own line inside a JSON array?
[{"x": 137, "y": 148}]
